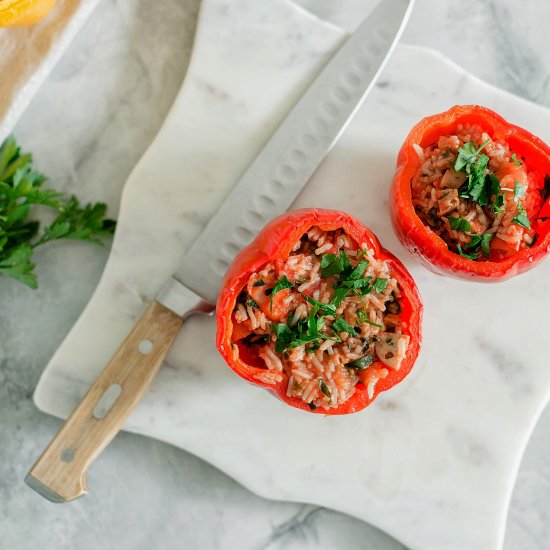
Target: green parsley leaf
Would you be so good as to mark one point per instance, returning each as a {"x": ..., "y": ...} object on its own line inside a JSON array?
[
  {"x": 467, "y": 155},
  {"x": 332, "y": 264},
  {"x": 328, "y": 309},
  {"x": 479, "y": 187},
  {"x": 479, "y": 242},
  {"x": 474, "y": 243},
  {"x": 380, "y": 284},
  {"x": 515, "y": 159},
  {"x": 494, "y": 184},
  {"x": 361, "y": 363},
  {"x": 284, "y": 336},
  {"x": 20, "y": 191},
  {"x": 485, "y": 241},
  {"x": 464, "y": 255},
  {"x": 282, "y": 284},
  {"x": 460, "y": 224},
  {"x": 341, "y": 325},
  {"x": 339, "y": 294},
  {"x": 252, "y": 303},
  {"x": 519, "y": 191},
  {"x": 522, "y": 219},
  {"x": 358, "y": 271},
  {"x": 373, "y": 324},
  {"x": 498, "y": 203},
  {"x": 323, "y": 386}
]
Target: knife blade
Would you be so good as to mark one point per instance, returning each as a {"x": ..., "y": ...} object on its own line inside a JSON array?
[{"x": 266, "y": 189}]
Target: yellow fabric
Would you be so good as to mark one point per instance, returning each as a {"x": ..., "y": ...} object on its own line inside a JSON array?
[{"x": 15, "y": 13}]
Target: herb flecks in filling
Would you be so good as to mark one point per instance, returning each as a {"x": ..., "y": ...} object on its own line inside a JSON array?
[
  {"x": 322, "y": 319},
  {"x": 476, "y": 194}
]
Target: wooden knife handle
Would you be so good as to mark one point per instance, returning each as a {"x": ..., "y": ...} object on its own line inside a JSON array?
[{"x": 60, "y": 473}]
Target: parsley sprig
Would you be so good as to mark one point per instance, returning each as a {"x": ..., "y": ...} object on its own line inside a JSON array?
[
  {"x": 521, "y": 217},
  {"x": 480, "y": 185},
  {"x": 306, "y": 331},
  {"x": 312, "y": 330},
  {"x": 20, "y": 191}
]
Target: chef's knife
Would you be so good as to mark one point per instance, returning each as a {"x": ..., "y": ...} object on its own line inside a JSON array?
[{"x": 266, "y": 189}]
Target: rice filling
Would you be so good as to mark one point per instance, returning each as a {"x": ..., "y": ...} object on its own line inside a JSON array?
[
  {"x": 476, "y": 194},
  {"x": 323, "y": 320}
]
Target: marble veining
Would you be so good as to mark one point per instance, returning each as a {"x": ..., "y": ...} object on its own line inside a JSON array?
[
  {"x": 194, "y": 504},
  {"x": 461, "y": 468}
]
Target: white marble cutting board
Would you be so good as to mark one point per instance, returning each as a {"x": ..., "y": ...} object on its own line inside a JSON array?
[{"x": 432, "y": 462}]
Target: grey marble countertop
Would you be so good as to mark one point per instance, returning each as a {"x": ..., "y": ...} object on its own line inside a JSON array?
[{"x": 87, "y": 127}]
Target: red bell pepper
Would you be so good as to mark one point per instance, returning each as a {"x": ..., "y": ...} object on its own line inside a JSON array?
[
  {"x": 275, "y": 242},
  {"x": 429, "y": 246}
]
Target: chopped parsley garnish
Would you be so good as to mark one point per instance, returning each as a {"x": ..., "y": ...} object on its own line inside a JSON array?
[
  {"x": 478, "y": 242},
  {"x": 282, "y": 283},
  {"x": 467, "y": 155},
  {"x": 485, "y": 240},
  {"x": 498, "y": 203},
  {"x": 305, "y": 332},
  {"x": 361, "y": 363},
  {"x": 515, "y": 159},
  {"x": 460, "y": 224},
  {"x": 464, "y": 255},
  {"x": 350, "y": 278},
  {"x": 332, "y": 264},
  {"x": 284, "y": 336},
  {"x": 474, "y": 243},
  {"x": 519, "y": 191},
  {"x": 308, "y": 331},
  {"x": 323, "y": 386},
  {"x": 327, "y": 309},
  {"x": 341, "y": 325},
  {"x": 479, "y": 186},
  {"x": 521, "y": 218},
  {"x": 252, "y": 303},
  {"x": 380, "y": 284}
]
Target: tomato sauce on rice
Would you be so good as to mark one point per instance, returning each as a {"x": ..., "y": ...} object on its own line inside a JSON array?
[
  {"x": 476, "y": 194},
  {"x": 325, "y": 319}
]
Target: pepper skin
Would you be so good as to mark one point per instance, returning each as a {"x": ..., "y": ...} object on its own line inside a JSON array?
[{"x": 275, "y": 242}]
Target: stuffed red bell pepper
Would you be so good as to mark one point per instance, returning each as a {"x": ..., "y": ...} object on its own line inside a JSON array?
[
  {"x": 319, "y": 313},
  {"x": 471, "y": 195}
]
